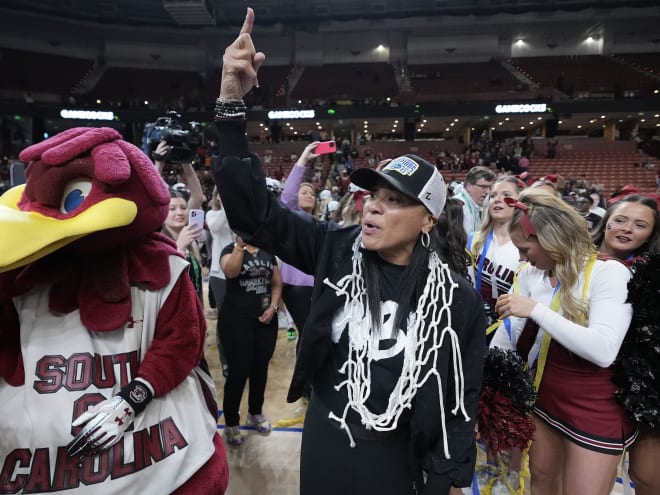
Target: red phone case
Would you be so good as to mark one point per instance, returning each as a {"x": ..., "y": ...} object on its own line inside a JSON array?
[{"x": 325, "y": 147}]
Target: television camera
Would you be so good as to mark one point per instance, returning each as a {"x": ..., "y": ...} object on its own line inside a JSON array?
[{"x": 182, "y": 138}]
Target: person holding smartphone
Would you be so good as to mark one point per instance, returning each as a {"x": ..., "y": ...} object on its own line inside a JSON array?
[
  {"x": 299, "y": 196},
  {"x": 185, "y": 234},
  {"x": 185, "y": 207}
]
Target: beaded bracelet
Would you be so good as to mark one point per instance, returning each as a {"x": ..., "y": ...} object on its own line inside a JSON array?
[{"x": 230, "y": 109}]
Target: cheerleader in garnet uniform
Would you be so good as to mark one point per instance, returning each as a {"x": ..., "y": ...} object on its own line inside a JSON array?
[
  {"x": 496, "y": 261},
  {"x": 579, "y": 303},
  {"x": 495, "y": 256},
  {"x": 629, "y": 230}
]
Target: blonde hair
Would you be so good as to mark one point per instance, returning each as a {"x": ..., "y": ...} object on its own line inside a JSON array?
[
  {"x": 315, "y": 210},
  {"x": 348, "y": 213},
  {"x": 488, "y": 222},
  {"x": 562, "y": 233}
]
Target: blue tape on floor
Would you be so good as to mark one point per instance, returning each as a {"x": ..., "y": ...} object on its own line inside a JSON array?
[{"x": 275, "y": 428}]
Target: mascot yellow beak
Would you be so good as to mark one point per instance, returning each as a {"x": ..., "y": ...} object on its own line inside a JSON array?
[{"x": 28, "y": 236}]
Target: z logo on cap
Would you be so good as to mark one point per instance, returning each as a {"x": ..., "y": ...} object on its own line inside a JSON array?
[{"x": 403, "y": 165}]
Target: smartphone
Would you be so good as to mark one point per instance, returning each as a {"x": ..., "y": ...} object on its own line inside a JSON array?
[
  {"x": 196, "y": 217},
  {"x": 325, "y": 147},
  {"x": 16, "y": 174}
]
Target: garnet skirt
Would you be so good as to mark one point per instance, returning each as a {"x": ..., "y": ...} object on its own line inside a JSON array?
[{"x": 576, "y": 398}]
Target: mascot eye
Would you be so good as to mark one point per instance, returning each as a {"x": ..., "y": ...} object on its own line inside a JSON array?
[{"x": 75, "y": 193}]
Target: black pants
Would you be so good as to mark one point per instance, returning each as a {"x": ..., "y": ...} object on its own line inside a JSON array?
[
  {"x": 218, "y": 287},
  {"x": 248, "y": 346},
  {"x": 329, "y": 466},
  {"x": 298, "y": 300}
]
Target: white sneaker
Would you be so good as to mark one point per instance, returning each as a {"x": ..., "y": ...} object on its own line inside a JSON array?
[
  {"x": 260, "y": 422},
  {"x": 233, "y": 435}
]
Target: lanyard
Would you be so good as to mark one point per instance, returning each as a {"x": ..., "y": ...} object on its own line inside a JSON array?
[
  {"x": 545, "y": 344},
  {"x": 480, "y": 265},
  {"x": 478, "y": 276},
  {"x": 554, "y": 306}
]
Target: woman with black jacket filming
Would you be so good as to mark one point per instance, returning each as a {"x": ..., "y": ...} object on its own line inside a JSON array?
[{"x": 394, "y": 342}]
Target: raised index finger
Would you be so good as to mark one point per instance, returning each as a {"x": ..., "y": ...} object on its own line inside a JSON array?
[{"x": 248, "y": 22}]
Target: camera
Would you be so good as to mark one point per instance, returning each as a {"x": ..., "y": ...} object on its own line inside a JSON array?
[{"x": 182, "y": 138}]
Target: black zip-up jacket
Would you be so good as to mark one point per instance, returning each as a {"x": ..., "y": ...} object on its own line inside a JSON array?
[{"x": 325, "y": 250}]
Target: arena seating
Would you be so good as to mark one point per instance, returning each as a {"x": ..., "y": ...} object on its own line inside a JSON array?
[
  {"x": 123, "y": 83},
  {"x": 649, "y": 62},
  {"x": 374, "y": 80},
  {"x": 588, "y": 73},
  {"x": 40, "y": 72},
  {"x": 462, "y": 79},
  {"x": 612, "y": 164}
]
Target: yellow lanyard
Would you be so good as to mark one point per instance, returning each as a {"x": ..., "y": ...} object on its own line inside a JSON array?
[{"x": 554, "y": 306}]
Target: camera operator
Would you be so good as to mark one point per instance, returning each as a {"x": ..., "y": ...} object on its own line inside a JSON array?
[{"x": 196, "y": 197}]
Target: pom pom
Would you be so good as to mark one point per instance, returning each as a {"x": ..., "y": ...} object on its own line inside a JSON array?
[
  {"x": 506, "y": 372},
  {"x": 505, "y": 404},
  {"x": 501, "y": 425},
  {"x": 638, "y": 365}
]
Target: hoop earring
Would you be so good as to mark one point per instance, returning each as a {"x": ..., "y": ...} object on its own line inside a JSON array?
[{"x": 425, "y": 240}]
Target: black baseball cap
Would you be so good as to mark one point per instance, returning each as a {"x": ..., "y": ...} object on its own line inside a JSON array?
[{"x": 410, "y": 175}]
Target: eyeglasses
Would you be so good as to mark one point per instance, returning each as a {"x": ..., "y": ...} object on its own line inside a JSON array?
[{"x": 484, "y": 187}]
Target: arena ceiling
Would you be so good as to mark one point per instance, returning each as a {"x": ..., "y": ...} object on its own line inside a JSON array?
[{"x": 296, "y": 13}]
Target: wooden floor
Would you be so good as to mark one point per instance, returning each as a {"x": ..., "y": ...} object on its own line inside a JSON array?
[
  {"x": 269, "y": 464},
  {"x": 263, "y": 464}
]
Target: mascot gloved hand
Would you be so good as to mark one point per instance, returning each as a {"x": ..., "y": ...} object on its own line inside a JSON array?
[
  {"x": 106, "y": 422},
  {"x": 103, "y": 383}
]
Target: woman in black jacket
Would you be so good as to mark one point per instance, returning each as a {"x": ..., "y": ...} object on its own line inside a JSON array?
[{"x": 394, "y": 342}]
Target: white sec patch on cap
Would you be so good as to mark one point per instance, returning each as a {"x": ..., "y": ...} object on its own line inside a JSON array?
[{"x": 403, "y": 165}]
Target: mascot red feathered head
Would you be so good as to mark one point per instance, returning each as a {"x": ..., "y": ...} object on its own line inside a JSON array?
[
  {"x": 85, "y": 187},
  {"x": 83, "y": 224}
]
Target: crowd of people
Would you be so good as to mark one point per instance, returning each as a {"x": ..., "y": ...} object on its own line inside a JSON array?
[
  {"x": 398, "y": 285},
  {"x": 356, "y": 259},
  {"x": 517, "y": 243},
  {"x": 375, "y": 281}
]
